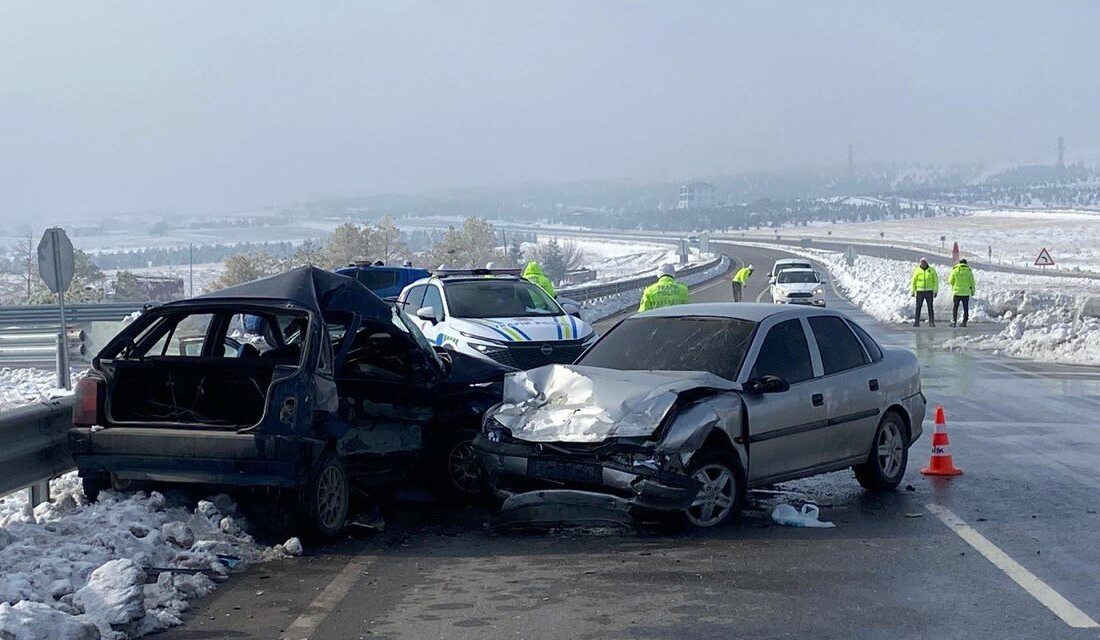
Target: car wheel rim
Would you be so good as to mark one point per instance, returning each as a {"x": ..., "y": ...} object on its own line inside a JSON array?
[
  {"x": 464, "y": 470},
  {"x": 714, "y": 501},
  {"x": 890, "y": 449},
  {"x": 331, "y": 497}
]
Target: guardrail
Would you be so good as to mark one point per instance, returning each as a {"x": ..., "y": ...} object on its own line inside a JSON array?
[
  {"x": 36, "y": 446},
  {"x": 584, "y": 293},
  {"x": 75, "y": 314}
]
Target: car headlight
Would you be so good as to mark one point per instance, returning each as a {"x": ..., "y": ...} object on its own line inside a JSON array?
[
  {"x": 494, "y": 431},
  {"x": 780, "y": 292},
  {"x": 819, "y": 291},
  {"x": 589, "y": 339}
]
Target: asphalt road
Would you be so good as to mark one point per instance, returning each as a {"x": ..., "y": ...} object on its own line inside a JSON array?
[{"x": 1008, "y": 550}]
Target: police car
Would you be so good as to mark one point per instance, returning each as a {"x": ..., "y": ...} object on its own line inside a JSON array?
[{"x": 497, "y": 316}]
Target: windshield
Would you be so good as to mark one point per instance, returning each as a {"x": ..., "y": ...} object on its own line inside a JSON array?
[
  {"x": 797, "y": 276},
  {"x": 499, "y": 299},
  {"x": 690, "y": 343}
]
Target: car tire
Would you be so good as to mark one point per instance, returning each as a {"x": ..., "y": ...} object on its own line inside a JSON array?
[
  {"x": 724, "y": 489},
  {"x": 325, "y": 500},
  {"x": 888, "y": 457},
  {"x": 93, "y": 485},
  {"x": 458, "y": 477}
]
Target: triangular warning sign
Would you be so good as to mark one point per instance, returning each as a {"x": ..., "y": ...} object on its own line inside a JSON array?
[{"x": 1044, "y": 259}]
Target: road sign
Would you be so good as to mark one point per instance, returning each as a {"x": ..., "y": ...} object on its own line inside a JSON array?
[
  {"x": 55, "y": 265},
  {"x": 1044, "y": 259},
  {"x": 850, "y": 256},
  {"x": 55, "y": 259}
]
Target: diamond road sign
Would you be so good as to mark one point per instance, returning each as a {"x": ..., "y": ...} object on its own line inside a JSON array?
[{"x": 55, "y": 259}]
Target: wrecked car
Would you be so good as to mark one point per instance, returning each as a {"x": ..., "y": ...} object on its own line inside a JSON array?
[
  {"x": 682, "y": 409},
  {"x": 305, "y": 384}
]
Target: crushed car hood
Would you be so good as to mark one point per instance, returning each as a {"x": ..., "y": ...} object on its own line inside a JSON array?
[{"x": 571, "y": 403}]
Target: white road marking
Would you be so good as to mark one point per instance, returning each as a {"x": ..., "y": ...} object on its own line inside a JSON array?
[
  {"x": 306, "y": 624},
  {"x": 1038, "y": 589}
]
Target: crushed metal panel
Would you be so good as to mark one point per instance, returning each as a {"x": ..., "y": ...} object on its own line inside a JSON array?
[
  {"x": 570, "y": 403},
  {"x": 563, "y": 507}
]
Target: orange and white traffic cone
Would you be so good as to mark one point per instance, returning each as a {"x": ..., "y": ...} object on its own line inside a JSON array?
[{"x": 941, "y": 463}]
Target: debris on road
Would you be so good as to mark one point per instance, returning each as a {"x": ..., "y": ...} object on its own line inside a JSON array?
[{"x": 786, "y": 515}]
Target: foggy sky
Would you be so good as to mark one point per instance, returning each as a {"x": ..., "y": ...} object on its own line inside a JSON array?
[{"x": 127, "y": 106}]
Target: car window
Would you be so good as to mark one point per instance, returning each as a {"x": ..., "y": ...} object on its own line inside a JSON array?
[
  {"x": 687, "y": 343},
  {"x": 839, "y": 347},
  {"x": 414, "y": 298},
  {"x": 872, "y": 347},
  {"x": 376, "y": 278},
  {"x": 434, "y": 300},
  {"x": 788, "y": 275},
  {"x": 500, "y": 298},
  {"x": 785, "y": 352}
]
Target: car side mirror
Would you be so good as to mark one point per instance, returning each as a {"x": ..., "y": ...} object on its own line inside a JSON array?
[
  {"x": 771, "y": 279},
  {"x": 766, "y": 384},
  {"x": 572, "y": 308},
  {"x": 427, "y": 313}
]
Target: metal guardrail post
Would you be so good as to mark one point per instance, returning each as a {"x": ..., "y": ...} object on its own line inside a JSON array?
[
  {"x": 39, "y": 493},
  {"x": 62, "y": 347}
]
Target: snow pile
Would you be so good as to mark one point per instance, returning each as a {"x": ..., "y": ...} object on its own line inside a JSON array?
[
  {"x": 27, "y": 385},
  {"x": 595, "y": 310},
  {"x": 1050, "y": 318},
  {"x": 119, "y": 568}
]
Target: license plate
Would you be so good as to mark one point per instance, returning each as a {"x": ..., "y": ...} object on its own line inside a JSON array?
[{"x": 564, "y": 471}]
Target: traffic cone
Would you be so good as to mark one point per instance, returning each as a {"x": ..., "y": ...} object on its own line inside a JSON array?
[{"x": 940, "y": 464}]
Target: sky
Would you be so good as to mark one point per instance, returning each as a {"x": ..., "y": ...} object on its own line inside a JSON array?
[{"x": 109, "y": 107}]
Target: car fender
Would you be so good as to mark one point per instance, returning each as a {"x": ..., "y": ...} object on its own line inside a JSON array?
[{"x": 694, "y": 424}]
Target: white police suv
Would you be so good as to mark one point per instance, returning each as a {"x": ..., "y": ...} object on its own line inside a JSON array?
[{"x": 501, "y": 317}]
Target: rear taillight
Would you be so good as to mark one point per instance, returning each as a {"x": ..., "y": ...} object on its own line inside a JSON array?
[{"x": 88, "y": 407}]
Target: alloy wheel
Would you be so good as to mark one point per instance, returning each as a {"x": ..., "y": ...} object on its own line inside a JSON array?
[
  {"x": 463, "y": 468},
  {"x": 331, "y": 497},
  {"x": 713, "y": 503},
  {"x": 890, "y": 449}
]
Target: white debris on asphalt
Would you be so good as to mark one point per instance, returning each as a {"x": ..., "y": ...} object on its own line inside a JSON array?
[
  {"x": 293, "y": 547},
  {"x": 119, "y": 568},
  {"x": 808, "y": 517}
]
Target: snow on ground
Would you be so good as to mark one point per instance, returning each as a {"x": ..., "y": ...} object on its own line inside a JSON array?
[
  {"x": 1073, "y": 237},
  {"x": 1036, "y": 316},
  {"x": 119, "y": 568},
  {"x": 614, "y": 260},
  {"x": 26, "y": 385},
  {"x": 596, "y": 310}
]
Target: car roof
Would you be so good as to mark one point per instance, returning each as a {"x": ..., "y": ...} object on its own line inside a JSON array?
[
  {"x": 752, "y": 311},
  {"x": 793, "y": 261},
  {"x": 800, "y": 270}
]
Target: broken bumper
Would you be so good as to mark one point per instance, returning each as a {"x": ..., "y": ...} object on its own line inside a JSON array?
[
  {"x": 191, "y": 456},
  {"x": 538, "y": 488}
]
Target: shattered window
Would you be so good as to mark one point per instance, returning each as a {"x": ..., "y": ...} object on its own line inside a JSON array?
[{"x": 689, "y": 343}]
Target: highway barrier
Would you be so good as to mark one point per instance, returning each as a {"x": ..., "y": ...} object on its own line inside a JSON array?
[{"x": 36, "y": 446}]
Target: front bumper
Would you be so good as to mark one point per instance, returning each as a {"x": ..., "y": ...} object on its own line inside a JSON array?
[
  {"x": 193, "y": 456},
  {"x": 815, "y": 302},
  {"x": 618, "y": 489}
]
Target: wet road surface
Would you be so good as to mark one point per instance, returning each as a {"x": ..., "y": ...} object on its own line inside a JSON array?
[{"x": 1008, "y": 550}]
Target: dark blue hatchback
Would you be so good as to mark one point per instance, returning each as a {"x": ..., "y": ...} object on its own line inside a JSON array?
[{"x": 384, "y": 281}]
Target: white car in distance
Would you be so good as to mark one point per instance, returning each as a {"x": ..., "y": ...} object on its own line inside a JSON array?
[{"x": 798, "y": 286}]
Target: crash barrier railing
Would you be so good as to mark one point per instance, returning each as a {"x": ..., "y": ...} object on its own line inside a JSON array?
[
  {"x": 36, "y": 447},
  {"x": 595, "y": 292},
  {"x": 29, "y": 337},
  {"x": 75, "y": 314}
]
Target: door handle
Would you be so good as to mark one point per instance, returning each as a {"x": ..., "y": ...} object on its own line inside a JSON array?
[
  {"x": 818, "y": 399},
  {"x": 873, "y": 384}
]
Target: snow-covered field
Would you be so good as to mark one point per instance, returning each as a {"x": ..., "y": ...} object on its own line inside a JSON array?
[
  {"x": 1073, "y": 237},
  {"x": 119, "y": 568},
  {"x": 1036, "y": 317},
  {"x": 615, "y": 260}
]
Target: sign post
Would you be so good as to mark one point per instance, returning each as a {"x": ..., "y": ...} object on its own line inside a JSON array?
[
  {"x": 850, "y": 256},
  {"x": 56, "y": 266},
  {"x": 1044, "y": 259}
]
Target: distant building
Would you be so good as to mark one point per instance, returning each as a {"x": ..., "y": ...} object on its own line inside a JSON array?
[{"x": 697, "y": 195}]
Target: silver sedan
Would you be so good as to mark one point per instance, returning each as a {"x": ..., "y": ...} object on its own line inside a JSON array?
[{"x": 682, "y": 409}]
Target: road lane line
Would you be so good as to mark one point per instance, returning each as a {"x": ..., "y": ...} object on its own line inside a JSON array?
[
  {"x": 306, "y": 624},
  {"x": 1038, "y": 589}
]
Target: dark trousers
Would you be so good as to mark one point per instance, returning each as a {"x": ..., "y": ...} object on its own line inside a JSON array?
[
  {"x": 965, "y": 300},
  {"x": 736, "y": 291},
  {"x": 923, "y": 296}
]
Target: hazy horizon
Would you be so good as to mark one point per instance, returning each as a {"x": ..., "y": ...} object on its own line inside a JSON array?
[{"x": 117, "y": 107}]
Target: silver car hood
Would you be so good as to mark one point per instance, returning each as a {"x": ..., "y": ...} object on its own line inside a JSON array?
[{"x": 571, "y": 403}]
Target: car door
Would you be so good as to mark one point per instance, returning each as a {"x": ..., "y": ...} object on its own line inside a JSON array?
[
  {"x": 852, "y": 388},
  {"x": 786, "y": 430}
]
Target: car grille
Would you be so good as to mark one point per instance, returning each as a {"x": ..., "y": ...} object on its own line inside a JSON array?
[
  {"x": 530, "y": 355},
  {"x": 799, "y": 294}
]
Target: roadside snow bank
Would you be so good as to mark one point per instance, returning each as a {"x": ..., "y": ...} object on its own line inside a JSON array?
[
  {"x": 119, "y": 568},
  {"x": 27, "y": 385},
  {"x": 1037, "y": 316}
]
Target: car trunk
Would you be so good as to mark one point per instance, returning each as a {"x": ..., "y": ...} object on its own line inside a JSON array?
[{"x": 198, "y": 391}]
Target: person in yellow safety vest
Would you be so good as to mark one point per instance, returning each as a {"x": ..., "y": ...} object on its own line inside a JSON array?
[
  {"x": 740, "y": 279},
  {"x": 534, "y": 274},
  {"x": 665, "y": 292},
  {"x": 924, "y": 285},
  {"x": 961, "y": 280}
]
